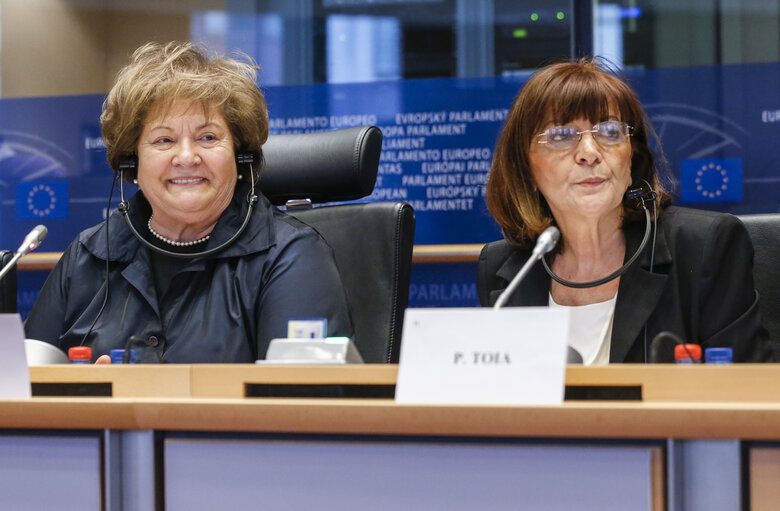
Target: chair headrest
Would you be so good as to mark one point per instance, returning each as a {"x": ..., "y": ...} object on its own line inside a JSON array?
[{"x": 327, "y": 166}]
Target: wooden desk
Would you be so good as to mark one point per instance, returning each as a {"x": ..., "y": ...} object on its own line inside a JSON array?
[
  {"x": 421, "y": 254},
  {"x": 195, "y": 418},
  {"x": 741, "y": 383}
]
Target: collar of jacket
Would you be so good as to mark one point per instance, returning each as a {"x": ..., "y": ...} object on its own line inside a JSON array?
[
  {"x": 639, "y": 290},
  {"x": 258, "y": 236}
]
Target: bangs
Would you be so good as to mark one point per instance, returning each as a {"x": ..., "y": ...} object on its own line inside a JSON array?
[
  {"x": 583, "y": 93},
  {"x": 582, "y": 103}
]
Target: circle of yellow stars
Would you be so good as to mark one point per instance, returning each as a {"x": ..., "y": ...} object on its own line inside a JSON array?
[
  {"x": 41, "y": 212},
  {"x": 724, "y": 180}
]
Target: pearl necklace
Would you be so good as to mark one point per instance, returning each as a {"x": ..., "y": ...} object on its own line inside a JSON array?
[{"x": 174, "y": 243}]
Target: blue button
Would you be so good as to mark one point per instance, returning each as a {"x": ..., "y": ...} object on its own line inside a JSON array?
[
  {"x": 117, "y": 356},
  {"x": 718, "y": 355}
]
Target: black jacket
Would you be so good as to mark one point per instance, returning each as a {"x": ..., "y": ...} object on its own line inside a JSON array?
[
  {"x": 700, "y": 288},
  {"x": 220, "y": 308}
]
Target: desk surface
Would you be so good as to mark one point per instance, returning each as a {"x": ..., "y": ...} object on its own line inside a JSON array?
[
  {"x": 385, "y": 417},
  {"x": 741, "y": 402}
]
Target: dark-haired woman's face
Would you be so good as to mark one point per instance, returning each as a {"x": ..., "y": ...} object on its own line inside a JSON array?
[{"x": 586, "y": 174}]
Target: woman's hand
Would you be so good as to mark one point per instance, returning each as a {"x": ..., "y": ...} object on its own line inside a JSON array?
[{"x": 103, "y": 359}]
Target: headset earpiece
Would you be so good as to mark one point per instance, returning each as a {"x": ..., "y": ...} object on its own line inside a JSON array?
[
  {"x": 128, "y": 163},
  {"x": 248, "y": 158},
  {"x": 245, "y": 158},
  {"x": 639, "y": 195}
]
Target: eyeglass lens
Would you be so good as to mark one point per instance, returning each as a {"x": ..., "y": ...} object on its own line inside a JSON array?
[{"x": 607, "y": 133}]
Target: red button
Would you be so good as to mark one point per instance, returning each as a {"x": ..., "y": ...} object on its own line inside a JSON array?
[{"x": 80, "y": 353}]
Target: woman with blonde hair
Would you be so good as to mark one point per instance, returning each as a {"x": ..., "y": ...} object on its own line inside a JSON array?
[{"x": 197, "y": 266}]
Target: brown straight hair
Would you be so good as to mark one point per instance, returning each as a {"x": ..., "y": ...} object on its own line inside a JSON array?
[{"x": 564, "y": 91}]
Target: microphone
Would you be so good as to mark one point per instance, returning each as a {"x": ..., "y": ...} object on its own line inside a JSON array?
[
  {"x": 137, "y": 339},
  {"x": 544, "y": 243},
  {"x": 30, "y": 243},
  {"x": 32, "y": 240},
  {"x": 660, "y": 338}
]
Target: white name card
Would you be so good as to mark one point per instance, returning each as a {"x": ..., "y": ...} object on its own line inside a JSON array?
[
  {"x": 483, "y": 356},
  {"x": 14, "y": 373}
]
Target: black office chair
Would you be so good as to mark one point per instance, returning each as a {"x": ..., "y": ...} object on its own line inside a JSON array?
[
  {"x": 764, "y": 232},
  {"x": 372, "y": 241},
  {"x": 7, "y": 285}
]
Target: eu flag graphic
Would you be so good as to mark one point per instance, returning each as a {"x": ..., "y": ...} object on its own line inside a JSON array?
[
  {"x": 37, "y": 200},
  {"x": 711, "y": 180}
]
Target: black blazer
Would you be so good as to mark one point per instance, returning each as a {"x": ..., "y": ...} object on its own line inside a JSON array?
[{"x": 700, "y": 287}]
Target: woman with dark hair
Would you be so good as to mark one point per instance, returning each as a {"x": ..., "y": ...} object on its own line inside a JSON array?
[
  {"x": 575, "y": 153},
  {"x": 197, "y": 266}
]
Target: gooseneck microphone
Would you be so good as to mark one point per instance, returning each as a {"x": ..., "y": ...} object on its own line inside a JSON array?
[
  {"x": 544, "y": 243},
  {"x": 30, "y": 243},
  {"x": 662, "y": 338}
]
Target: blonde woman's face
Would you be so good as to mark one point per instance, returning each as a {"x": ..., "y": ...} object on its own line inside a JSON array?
[{"x": 186, "y": 165}]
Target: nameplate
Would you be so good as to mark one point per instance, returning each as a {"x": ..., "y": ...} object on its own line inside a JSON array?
[
  {"x": 14, "y": 373},
  {"x": 512, "y": 356}
]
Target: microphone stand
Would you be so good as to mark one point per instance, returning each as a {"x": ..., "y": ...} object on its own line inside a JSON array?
[
  {"x": 7, "y": 268},
  {"x": 544, "y": 244},
  {"x": 30, "y": 243}
]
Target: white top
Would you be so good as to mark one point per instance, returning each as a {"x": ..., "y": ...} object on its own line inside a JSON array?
[{"x": 590, "y": 329}]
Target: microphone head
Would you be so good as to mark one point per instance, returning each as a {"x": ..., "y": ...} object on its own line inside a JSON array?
[
  {"x": 33, "y": 239},
  {"x": 547, "y": 240},
  {"x": 41, "y": 231},
  {"x": 544, "y": 243}
]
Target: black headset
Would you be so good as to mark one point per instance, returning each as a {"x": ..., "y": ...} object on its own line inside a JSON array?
[
  {"x": 130, "y": 163},
  {"x": 639, "y": 196}
]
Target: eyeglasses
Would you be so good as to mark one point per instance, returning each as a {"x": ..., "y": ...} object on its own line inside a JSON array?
[{"x": 608, "y": 133}]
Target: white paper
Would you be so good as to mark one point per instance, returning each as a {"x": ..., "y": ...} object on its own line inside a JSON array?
[
  {"x": 483, "y": 356},
  {"x": 14, "y": 373}
]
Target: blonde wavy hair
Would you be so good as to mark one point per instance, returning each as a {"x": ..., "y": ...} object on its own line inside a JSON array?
[{"x": 159, "y": 74}]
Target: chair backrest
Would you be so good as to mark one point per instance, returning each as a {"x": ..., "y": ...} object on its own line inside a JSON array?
[
  {"x": 7, "y": 284},
  {"x": 764, "y": 231},
  {"x": 372, "y": 241}
]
